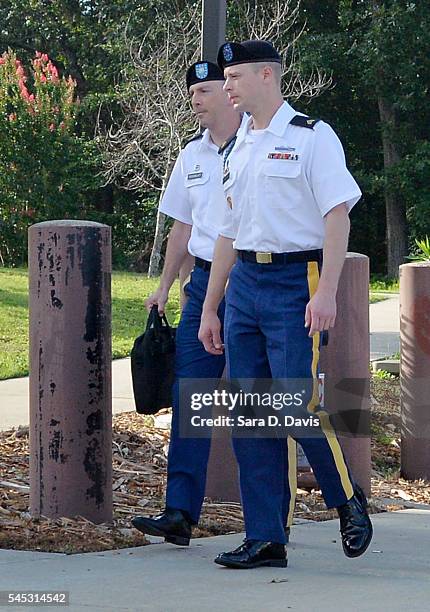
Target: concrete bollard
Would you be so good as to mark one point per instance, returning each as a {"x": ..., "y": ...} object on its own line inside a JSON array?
[
  {"x": 223, "y": 478},
  {"x": 345, "y": 363},
  {"x": 70, "y": 370},
  {"x": 415, "y": 369}
]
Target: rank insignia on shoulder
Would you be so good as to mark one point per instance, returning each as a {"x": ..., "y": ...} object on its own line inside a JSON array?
[
  {"x": 304, "y": 121},
  {"x": 192, "y": 139},
  {"x": 194, "y": 175}
]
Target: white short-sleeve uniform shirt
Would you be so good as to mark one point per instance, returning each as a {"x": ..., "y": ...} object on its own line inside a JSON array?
[
  {"x": 194, "y": 194},
  {"x": 280, "y": 182}
]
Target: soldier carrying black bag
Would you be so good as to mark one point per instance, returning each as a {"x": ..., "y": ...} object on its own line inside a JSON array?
[{"x": 153, "y": 364}]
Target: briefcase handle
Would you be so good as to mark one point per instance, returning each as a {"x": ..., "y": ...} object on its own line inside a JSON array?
[{"x": 157, "y": 321}]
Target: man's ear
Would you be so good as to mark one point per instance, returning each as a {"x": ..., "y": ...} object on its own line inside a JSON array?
[{"x": 267, "y": 72}]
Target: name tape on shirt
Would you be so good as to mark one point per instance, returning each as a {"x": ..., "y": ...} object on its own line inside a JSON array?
[
  {"x": 287, "y": 156},
  {"x": 194, "y": 175}
]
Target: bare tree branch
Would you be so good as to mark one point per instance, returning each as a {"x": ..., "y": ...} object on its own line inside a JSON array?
[{"x": 154, "y": 104}]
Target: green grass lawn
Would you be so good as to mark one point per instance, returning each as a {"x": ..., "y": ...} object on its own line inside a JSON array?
[
  {"x": 128, "y": 316},
  {"x": 377, "y": 297},
  {"x": 382, "y": 288},
  {"x": 381, "y": 285}
]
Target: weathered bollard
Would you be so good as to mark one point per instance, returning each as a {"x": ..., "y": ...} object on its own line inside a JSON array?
[
  {"x": 415, "y": 369},
  {"x": 70, "y": 370},
  {"x": 345, "y": 364},
  {"x": 222, "y": 479}
]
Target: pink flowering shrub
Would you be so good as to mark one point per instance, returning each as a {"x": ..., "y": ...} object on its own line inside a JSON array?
[
  {"x": 37, "y": 98},
  {"x": 44, "y": 165}
]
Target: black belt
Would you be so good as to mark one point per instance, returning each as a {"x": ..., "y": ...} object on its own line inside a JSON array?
[
  {"x": 202, "y": 263},
  {"x": 281, "y": 258}
]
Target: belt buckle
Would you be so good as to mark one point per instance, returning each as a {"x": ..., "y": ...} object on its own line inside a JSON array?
[{"x": 263, "y": 258}]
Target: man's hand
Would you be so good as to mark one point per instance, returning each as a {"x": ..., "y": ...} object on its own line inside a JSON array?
[
  {"x": 210, "y": 326},
  {"x": 209, "y": 333},
  {"x": 160, "y": 298},
  {"x": 320, "y": 312}
]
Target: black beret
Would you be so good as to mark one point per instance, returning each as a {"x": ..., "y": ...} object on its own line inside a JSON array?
[
  {"x": 203, "y": 71},
  {"x": 249, "y": 51}
]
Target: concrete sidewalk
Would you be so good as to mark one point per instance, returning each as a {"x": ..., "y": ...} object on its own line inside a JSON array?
[
  {"x": 393, "y": 574},
  {"x": 384, "y": 321},
  {"x": 14, "y": 395}
]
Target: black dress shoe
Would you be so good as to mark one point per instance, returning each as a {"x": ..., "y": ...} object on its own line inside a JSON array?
[
  {"x": 172, "y": 525},
  {"x": 254, "y": 553},
  {"x": 355, "y": 526}
]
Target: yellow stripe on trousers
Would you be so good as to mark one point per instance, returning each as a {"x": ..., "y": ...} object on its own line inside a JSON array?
[
  {"x": 292, "y": 477},
  {"x": 326, "y": 426}
]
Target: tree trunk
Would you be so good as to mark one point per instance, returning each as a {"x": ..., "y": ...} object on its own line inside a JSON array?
[
  {"x": 104, "y": 202},
  {"x": 395, "y": 207},
  {"x": 154, "y": 262}
]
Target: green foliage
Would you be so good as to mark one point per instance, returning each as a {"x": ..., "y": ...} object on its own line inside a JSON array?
[
  {"x": 378, "y": 282},
  {"x": 133, "y": 227},
  {"x": 375, "y": 50},
  {"x": 380, "y": 435},
  {"x": 85, "y": 39},
  {"x": 45, "y": 168},
  {"x": 384, "y": 375},
  {"x": 413, "y": 179},
  {"x": 423, "y": 250}
]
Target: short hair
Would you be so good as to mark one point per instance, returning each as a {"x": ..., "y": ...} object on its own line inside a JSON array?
[{"x": 275, "y": 66}]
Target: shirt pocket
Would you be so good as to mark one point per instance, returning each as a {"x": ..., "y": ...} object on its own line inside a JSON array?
[
  {"x": 282, "y": 183},
  {"x": 196, "y": 179},
  {"x": 198, "y": 188}
]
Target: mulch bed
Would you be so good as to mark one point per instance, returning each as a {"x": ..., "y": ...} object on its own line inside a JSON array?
[{"x": 139, "y": 469}]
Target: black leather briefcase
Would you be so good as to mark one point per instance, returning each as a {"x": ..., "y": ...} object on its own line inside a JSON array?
[{"x": 153, "y": 365}]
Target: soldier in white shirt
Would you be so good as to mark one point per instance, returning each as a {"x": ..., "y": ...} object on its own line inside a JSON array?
[
  {"x": 288, "y": 194},
  {"x": 194, "y": 199}
]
